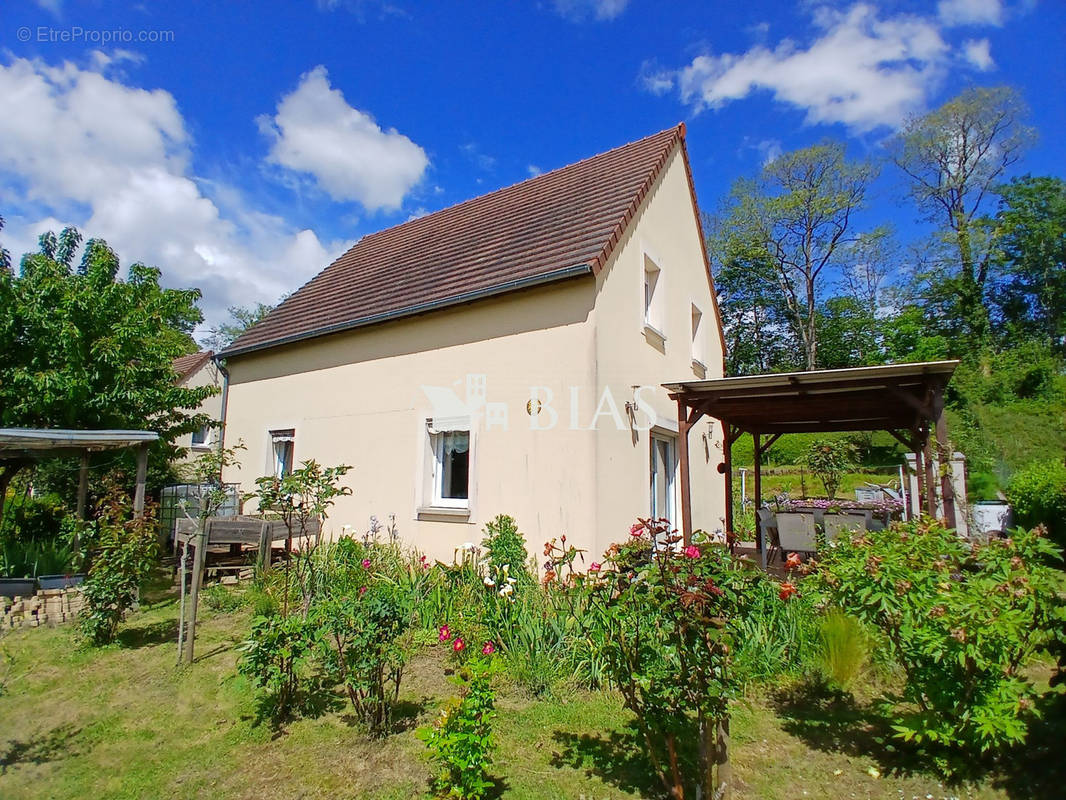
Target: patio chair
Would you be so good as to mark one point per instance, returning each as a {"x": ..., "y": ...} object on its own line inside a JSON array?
[
  {"x": 837, "y": 524},
  {"x": 768, "y": 525},
  {"x": 795, "y": 532}
]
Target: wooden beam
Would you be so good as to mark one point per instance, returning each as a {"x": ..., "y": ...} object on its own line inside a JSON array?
[
  {"x": 683, "y": 427},
  {"x": 910, "y": 442}
]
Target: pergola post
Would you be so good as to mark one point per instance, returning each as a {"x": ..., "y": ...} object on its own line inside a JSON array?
[
  {"x": 683, "y": 427},
  {"x": 947, "y": 487},
  {"x": 727, "y": 463},
  {"x": 83, "y": 484},
  {"x": 930, "y": 486},
  {"x": 142, "y": 475},
  {"x": 757, "y": 449}
]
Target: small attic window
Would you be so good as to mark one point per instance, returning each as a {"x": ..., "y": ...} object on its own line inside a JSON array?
[
  {"x": 653, "y": 298},
  {"x": 699, "y": 355}
]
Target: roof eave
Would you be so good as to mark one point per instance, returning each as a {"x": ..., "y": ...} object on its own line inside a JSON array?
[{"x": 566, "y": 273}]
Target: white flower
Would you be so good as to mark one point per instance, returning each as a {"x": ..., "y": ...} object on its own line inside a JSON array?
[
  {"x": 506, "y": 590},
  {"x": 512, "y": 581},
  {"x": 506, "y": 567},
  {"x": 467, "y": 546},
  {"x": 490, "y": 582}
]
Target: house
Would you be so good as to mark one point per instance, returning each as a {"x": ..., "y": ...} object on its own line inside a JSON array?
[
  {"x": 504, "y": 355},
  {"x": 195, "y": 370}
]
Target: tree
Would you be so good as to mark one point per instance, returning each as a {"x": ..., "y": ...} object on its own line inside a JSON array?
[
  {"x": 244, "y": 317},
  {"x": 1032, "y": 256},
  {"x": 755, "y": 321},
  {"x": 795, "y": 221},
  {"x": 80, "y": 348},
  {"x": 953, "y": 157}
]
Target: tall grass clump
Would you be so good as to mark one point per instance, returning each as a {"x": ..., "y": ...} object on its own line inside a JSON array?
[
  {"x": 843, "y": 649},
  {"x": 775, "y": 638}
]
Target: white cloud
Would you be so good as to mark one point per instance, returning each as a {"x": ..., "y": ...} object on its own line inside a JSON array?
[
  {"x": 534, "y": 170},
  {"x": 655, "y": 79},
  {"x": 481, "y": 160},
  {"x": 970, "y": 12},
  {"x": 976, "y": 52},
  {"x": 114, "y": 160},
  {"x": 579, "y": 10},
  {"x": 861, "y": 70},
  {"x": 316, "y": 132},
  {"x": 770, "y": 150}
]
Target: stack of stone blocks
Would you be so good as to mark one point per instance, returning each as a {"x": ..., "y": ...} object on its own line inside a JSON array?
[{"x": 47, "y": 607}]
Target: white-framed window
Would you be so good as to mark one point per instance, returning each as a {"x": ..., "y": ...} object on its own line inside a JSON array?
[
  {"x": 282, "y": 445},
  {"x": 653, "y": 297},
  {"x": 699, "y": 356},
  {"x": 202, "y": 436},
  {"x": 449, "y": 450},
  {"x": 663, "y": 474}
]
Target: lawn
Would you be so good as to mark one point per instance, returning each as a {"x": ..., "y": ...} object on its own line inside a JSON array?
[{"x": 125, "y": 722}]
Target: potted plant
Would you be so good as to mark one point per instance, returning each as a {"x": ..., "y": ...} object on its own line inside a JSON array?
[{"x": 16, "y": 571}]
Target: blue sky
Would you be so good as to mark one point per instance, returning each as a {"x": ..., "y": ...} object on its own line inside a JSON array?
[{"x": 241, "y": 146}]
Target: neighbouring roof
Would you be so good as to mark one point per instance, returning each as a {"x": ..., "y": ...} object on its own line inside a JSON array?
[
  {"x": 889, "y": 397},
  {"x": 187, "y": 366},
  {"x": 552, "y": 227},
  {"x": 20, "y": 443}
]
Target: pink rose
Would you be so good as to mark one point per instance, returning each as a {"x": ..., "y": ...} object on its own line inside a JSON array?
[
  {"x": 692, "y": 551},
  {"x": 488, "y": 649},
  {"x": 366, "y": 563},
  {"x": 445, "y": 633},
  {"x": 459, "y": 644}
]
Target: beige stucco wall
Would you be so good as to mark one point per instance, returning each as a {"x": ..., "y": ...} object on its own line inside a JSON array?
[
  {"x": 666, "y": 230},
  {"x": 207, "y": 375},
  {"x": 355, "y": 398}
]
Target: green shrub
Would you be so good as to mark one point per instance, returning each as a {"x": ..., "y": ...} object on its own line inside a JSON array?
[
  {"x": 830, "y": 460},
  {"x": 123, "y": 556},
  {"x": 460, "y": 741},
  {"x": 843, "y": 649},
  {"x": 505, "y": 545},
  {"x": 29, "y": 518},
  {"x": 962, "y": 622},
  {"x": 278, "y": 657},
  {"x": 28, "y": 559},
  {"x": 1037, "y": 494}
]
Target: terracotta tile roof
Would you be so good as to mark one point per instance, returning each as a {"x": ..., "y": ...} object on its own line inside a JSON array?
[
  {"x": 552, "y": 227},
  {"x": 187, "y": 366}
]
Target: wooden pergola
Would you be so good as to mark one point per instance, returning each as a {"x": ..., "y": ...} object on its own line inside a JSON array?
[
  {"x": 907, "y": 400},
  {"x": 33, "y": 444}
]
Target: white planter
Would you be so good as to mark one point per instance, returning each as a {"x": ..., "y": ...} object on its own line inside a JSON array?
[{"x": 991, "y": 515}]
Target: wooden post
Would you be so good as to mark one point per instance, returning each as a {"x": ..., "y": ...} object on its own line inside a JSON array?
[
  {"x": 930, "y": 486},
  {"x": 83, "y": 484},
  {"x": 199, "y": 555},
  {"x": 757, "y": 449},
  {"x": 947, "y": 487},
  {"x": 919, "y": 474},
  {"x": 727, "y": 454},
  {"x": 682, "y": 456},
  {"x": 265, "y": 542},
  {"x": 142, "y": 474}
]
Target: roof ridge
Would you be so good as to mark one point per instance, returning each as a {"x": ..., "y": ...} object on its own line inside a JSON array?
[{"x": 679, "y": 128}]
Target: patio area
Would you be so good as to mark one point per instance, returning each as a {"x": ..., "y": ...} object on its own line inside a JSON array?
[{"x": 907, "y": 400}]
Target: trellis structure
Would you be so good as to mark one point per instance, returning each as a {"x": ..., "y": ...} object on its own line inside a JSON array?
[{"x": 907, "y": 400}]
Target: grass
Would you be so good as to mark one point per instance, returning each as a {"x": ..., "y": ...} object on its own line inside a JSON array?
[{"x": 125, "y": 722}]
